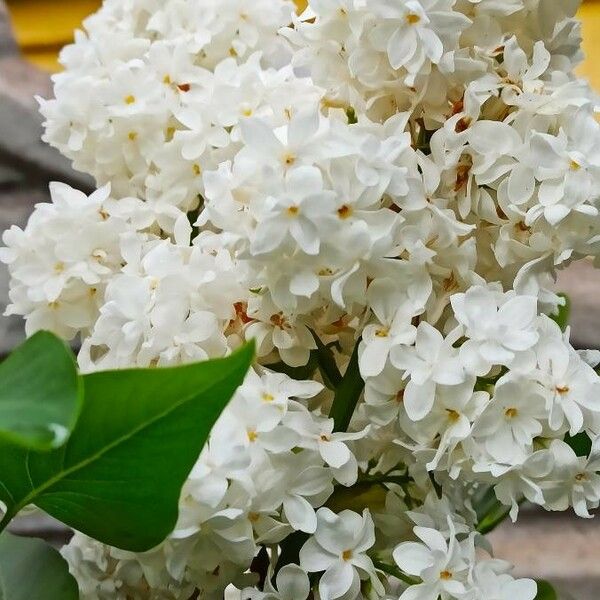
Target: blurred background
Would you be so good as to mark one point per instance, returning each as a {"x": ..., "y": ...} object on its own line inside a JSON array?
[{"x": 557, "y": 547}]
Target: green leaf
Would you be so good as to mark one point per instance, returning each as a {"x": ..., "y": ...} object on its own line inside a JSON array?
[
  {"x": 119, "y": 477},
  {"x": 31, "y": 569},
  {"x": 298, "y": 373},
  {"x": 564, "y": 313},
  {"x": 490, "y": 511},
  {"x": 347, "y": 394},
  {"x": 580, "y": 443},
  {"x": 40, "y": 393},
  {"x": 546, "y": 591},
  {"x": 327, "y": 365},
  {"x": 290, "y": 550}
]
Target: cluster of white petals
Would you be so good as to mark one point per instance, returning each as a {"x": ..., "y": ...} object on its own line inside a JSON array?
[{"x": 384, "y": 189}]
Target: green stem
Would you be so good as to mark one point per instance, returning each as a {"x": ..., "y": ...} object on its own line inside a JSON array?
[
  {"x": 383, "y": 479},
  {"x": 395, "y": 572},
  {"x": 492, "y": 512}
]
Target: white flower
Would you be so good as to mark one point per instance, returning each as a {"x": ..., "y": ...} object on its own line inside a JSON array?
[
  {"x": 302, "y": 483},
  {"x": 433, "y": 360},
  {"x": 394, "y": 327},
  {"x": 519, "y": 480},
  {"x": 291, "y": 583},
  {"x": 299, "y": 145},
  {"x": 569, "y": 385},
  {"x": 299, "y": 211},
  {"x": 414, "y": 32},
  {"x": 449, "y": 422},
  {"x": 63, "y": 259},
  {"x": 338, "y": 548},
  {"x": 492, "y": 582},
  {"x": 500, "y": 328},
  {"x": 317, "y": 434},
  {"x": 408, "y": 175},
  {"x": 511, "y": 421},
  {"x": 574, "y": 481},
  {"x": 436, "y": 561},
  {"x": 568, "y": 172}
]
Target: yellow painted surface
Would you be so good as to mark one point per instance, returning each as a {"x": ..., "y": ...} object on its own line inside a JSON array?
[
  {"x": 43, "y": 26},
  {"x": 590, "y": 15}
]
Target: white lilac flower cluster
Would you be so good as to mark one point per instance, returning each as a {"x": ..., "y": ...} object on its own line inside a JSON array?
[{"x": 381, "y": 188}]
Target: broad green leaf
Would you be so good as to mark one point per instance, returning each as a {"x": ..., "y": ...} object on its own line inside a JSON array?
[
  {"x": 564, "y": 313},
  {"x": 546, "y": 591},
  {"x": 30, "y": 569},
  {"x": 119, "y": 477},
  {"x": 40, "y": 393},
  {"x": 347, "y": 394}
]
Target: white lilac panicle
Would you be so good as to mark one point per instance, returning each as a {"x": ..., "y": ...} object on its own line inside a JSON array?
[{"x": 383, "y": 188}]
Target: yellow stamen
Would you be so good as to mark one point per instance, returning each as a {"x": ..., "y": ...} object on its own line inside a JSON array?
[
  {"x": 279, "y": 321},
  {"x": 344, "y": 212},
  {"x": 453, "y": 415}
]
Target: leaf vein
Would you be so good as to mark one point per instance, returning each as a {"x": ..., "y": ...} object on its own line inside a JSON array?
[{"x": 39, "y": 491}]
